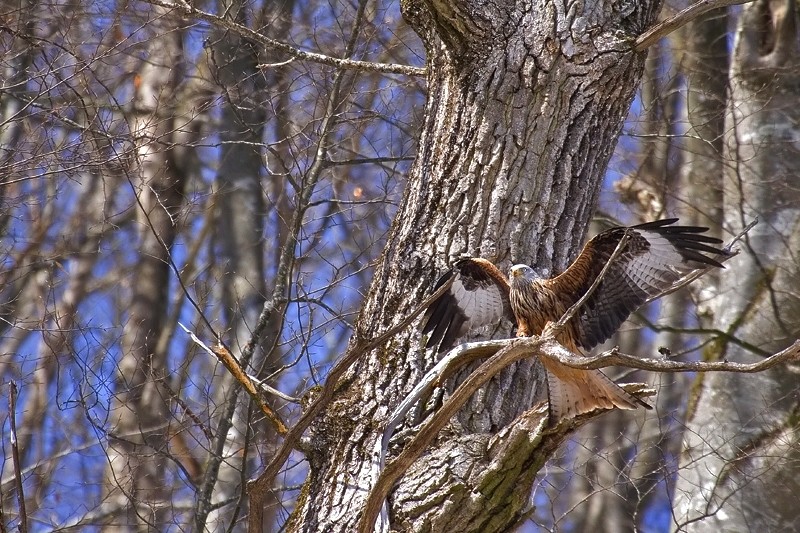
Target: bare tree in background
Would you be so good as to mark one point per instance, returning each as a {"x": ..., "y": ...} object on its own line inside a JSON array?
[
  {"x": 739, "y": 459},
  {"x": 235, "y": 167}
]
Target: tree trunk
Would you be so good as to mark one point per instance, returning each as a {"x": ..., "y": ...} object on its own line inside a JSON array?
[
  {"x": 524, "y": 110},
  {"x": 240, "y": 238},
  {"x": 137, "y": 455},
  {"x": 705, "y": 66},
  {"x": 741, "y": 448}
]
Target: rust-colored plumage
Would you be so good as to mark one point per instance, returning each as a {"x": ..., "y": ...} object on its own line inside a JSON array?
[{"x": 657, "y": 255}]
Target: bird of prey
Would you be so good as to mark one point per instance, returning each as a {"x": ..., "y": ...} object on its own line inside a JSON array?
[{"x": 656, "y": 256}]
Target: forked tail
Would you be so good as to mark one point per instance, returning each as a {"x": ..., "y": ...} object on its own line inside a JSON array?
[{"x": 573, "y": 392}]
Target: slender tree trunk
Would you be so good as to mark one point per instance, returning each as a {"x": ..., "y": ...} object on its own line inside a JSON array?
[
  {"x": 740, "y": 455},
  {"x": 14, "y": 79},
  {"x": 240, "y": 238},
  {"x": 705, "y": 67},
  {"x": 137, "y": 454},
  {"x": 524, "y": 109}
]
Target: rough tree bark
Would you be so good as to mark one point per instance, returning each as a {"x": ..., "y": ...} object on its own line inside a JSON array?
[
  {"x": 525, "y": 106},
  {"x": 740, "y": 454}
]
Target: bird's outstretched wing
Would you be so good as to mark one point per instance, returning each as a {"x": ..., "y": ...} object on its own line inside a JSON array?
[
  {"x": 477, "y": 297},
  {"x": 657, "y": 256}
]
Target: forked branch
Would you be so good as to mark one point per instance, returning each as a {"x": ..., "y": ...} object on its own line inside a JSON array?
[{"x": 506, "y": 352}]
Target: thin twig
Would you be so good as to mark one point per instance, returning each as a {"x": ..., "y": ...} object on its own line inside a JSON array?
[
  {"x": 12, "y": 408},
  {"x": 272, "y": 391},
  {"x": 739, "y": 236},
  {"x": 713, "y": 332},
  {"x": 662, "y": 29},
  {"x": 555, "y": 328},
  {"x": 224, "y": 356}
]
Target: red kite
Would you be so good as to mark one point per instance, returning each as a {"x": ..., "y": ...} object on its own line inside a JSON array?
[{"x": 656, "y": 256}]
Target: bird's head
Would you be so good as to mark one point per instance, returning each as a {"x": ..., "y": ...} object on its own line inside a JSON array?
[{"x": 523, "y": 272}]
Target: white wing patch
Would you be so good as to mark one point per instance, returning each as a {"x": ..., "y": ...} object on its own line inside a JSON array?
[
  {"x": 477, "y": 297},
  {"x": 482, "y": 305}
]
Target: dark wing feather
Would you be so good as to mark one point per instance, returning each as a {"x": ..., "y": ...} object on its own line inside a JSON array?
[
  {"x": 657, "y": 255},
  {"x": 478, "y": 296}
]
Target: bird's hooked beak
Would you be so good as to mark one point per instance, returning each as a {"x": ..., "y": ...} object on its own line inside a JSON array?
[{"x": 517, "y": 271}]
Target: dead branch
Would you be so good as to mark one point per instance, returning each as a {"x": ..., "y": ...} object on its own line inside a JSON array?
[
  {"x": 188, "y": 8},
  {"x": 266, "y": 389},
  {"x": 662, "y": 29},
  {"x": 224, "y": 356}
]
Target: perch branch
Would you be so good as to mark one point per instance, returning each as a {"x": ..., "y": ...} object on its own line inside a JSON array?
[
  {"x": 510, "y": 351},
  {"x": 615, "y": 358}
]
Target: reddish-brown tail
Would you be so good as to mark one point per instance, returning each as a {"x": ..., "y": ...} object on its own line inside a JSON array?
[{"x": 573, "y": 392}]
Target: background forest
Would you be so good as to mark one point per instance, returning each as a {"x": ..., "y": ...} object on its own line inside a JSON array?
[{"x": 173, "y": 174}]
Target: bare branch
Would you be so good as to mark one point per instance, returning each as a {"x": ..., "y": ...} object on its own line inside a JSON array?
[
  {"x": 259, "y": 488},
  {"x": 225, "y": 357},
  {"x": 662, "y": 29},
  {"x": 347, "y": 64}
]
